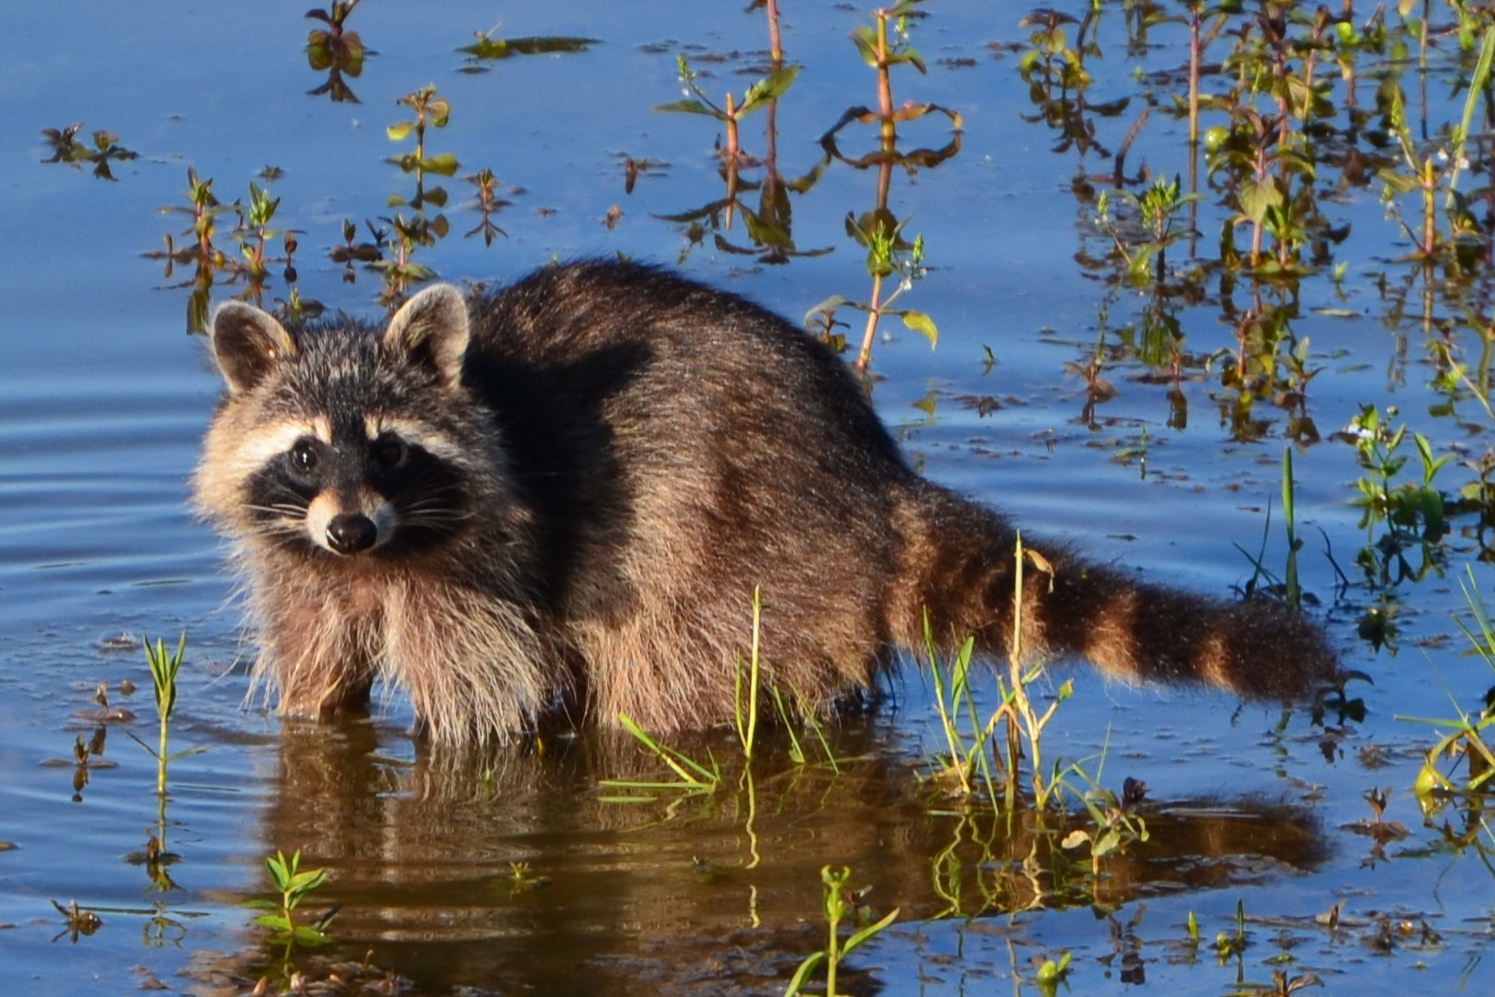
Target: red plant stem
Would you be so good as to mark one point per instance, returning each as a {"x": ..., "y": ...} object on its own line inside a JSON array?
[
  {"x": 884, "y": 82},
  {"x": 1429, "y": 208},
  {"x": 864, "y": 357},
  {"x": 730, "y": 152},
  {"x": 1194, "y": 76},
  {"x": 775, "y": 43},
  {"x": 1256, "y": 229}
]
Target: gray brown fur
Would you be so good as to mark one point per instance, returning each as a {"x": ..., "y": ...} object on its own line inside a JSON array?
[{"x": 620, "y": 457}]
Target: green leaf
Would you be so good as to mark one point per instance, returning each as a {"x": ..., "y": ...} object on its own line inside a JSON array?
[
  {"x": 803, "y": 973},
  {"x": 691, "y": 107},
  {"x": 767, "y": 89},
  {"x": 1257, "y": 196},
  {"x": 500, "y": 48},
  {"x": 1396, "y": 182},
  {"x": 869, "y": 931},
  {"x": 1107, "y": 843},
  {"x": 445, "y": 164},
  {"x": 398, "y": 132},
  {"x": 812, "y": 317},
  {"x": 866, "y": 42},
  {"x": 308, "y": 936},
  {"x": 921, "y": 323},
  {"x": 305, "y": 882}
]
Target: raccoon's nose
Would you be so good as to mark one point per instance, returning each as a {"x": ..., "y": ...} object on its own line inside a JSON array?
[{"x": 351, "y": 533}]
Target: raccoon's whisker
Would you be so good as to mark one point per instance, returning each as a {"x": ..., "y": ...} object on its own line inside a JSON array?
[
  {"x": 281, "y": 508},
  {"x": 446, "y": 523},
  {"x": 412, "y": 499},
  {"x": 434, "y": 510},
  {"x": 277, "y": 530},
  {"x": 435, "y": 516}
]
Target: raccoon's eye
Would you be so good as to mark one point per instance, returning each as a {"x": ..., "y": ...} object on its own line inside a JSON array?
[
  {"x": 304, "y": 456},
  {"x": 388, "y": 451}
]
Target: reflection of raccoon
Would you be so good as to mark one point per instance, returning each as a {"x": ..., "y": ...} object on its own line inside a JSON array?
[{"x": 560, "y": 497}]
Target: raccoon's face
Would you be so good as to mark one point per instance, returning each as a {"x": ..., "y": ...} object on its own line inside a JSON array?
[
  {"x": 342, "y": 442},
  {"x": 356, "y": 485}
]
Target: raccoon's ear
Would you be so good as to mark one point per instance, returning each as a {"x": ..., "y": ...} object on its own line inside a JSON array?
[
  {"x": 431, "y": 331},
  {"x": 247, "y": 343}
]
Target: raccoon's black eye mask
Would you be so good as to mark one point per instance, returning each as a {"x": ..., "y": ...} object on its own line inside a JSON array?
[{"x": 388, "y": 451}]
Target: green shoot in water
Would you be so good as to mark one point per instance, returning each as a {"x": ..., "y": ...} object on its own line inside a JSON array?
[
  {"x": 294, "y": 886},
  {"x": 838, "y": 905}
]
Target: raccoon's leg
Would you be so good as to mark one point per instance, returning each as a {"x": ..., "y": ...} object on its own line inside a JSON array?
[
  {"x": 959, "y": 566},
  {"x": 474, "y": 664},
  {"x": 314, "y": 653},
  {"x": 685, "y": 665}
]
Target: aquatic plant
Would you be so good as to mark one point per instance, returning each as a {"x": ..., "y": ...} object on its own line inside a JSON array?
[
  {"x": 489, "y": 204},
  {"x": 1025, "y": 725},
  {"x": 745, "y": 696},
  {"x": 838, "y": 905},
  {"x": 295, "y": 886},
  {"x": 967, "y": 753},
  {"x": 1050, "y": 974},
  {"x": 253, "y": 233},
  {"x": 879, "y": 231},
  {"x": 1413, "y": 513},
  {"x": 1115, "y": 822},
  {"x": 692, "y": 777},
  {"x": 968, "y": 737},
  {"x": 105, "y": 149},
  {"x": 1155, "y": 211},
  {"x": 81, "y": 922},
  {"x": 490, "y": 49},
  {"x": 87, "y": 757},
  {"x": 335, "y": 50},
  {"x": 752, "y": 690},
  {"x": 407, "y": 233},
  {"x": 768, "y": 225},
  {"x": 758, "y": 96},
  {"x": 164, "y": 667},
  {"x": 1470, "y": 734},
  {"x": 1233, "y": 944},
  {"x": 1263, "y": 581}
]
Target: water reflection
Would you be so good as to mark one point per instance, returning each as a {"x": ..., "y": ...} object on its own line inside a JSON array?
[{"x": 514, "y": 871}]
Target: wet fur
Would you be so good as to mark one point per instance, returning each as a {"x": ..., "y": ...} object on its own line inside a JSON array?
[{"x": 626, "y": 455}]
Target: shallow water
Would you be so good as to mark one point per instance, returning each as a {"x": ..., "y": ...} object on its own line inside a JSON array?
[{"x": 103, "y": 398}]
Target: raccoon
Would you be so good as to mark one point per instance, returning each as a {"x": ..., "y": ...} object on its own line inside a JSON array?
[{"x": 556, "y": 501}]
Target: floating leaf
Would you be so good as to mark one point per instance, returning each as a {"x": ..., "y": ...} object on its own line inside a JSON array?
[{"x": 502, "y": 48}]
